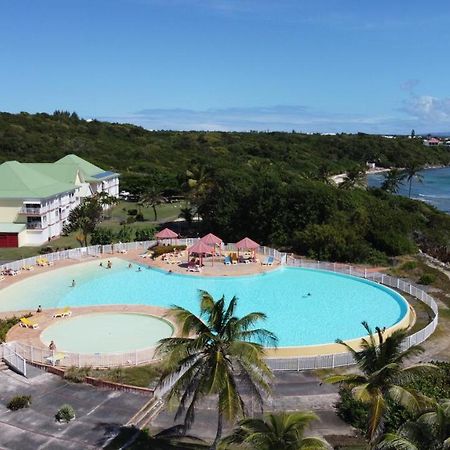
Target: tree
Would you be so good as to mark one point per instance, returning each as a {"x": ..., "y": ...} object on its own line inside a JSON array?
[
  {"x": 86, "y": 216},
  {"x": 283, "y": 431},
  {"x": 431, "y": 431},
  {"x": 412, "y": 172},
  {"x": 383, "y": 374},
  {"x": 102, "y": 236},
  {"x": 392, "y": 180},
  {"x": 353, "y": 178},
  {"x": 199, "y": 181},
  {"x": 124, "y": 234},
  {"x": 187, "y": 214},
  {"x": 218, "y": 354},
  {"x": 152, "y": 197}
]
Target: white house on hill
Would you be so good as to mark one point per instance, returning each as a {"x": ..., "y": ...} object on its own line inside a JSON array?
[{"x": 36, "y": 198}]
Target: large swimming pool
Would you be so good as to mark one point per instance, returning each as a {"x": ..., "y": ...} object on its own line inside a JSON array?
[{"x": 335, "y": 308}]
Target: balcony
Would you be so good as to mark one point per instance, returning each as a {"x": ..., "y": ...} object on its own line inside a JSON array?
[
  {"x": 35, "y": 226},
  {"x": 33, "y": 211}
]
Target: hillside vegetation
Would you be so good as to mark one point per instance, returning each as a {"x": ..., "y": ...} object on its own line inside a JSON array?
[{"x": 270, "y": 186}]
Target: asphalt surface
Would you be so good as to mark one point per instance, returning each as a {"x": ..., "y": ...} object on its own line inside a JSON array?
[{"x": 99, "y": 413}]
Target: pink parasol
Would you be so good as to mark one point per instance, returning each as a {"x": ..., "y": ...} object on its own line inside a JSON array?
[
  {"x": 212, "y": 239},
  {"x": 201, "y": 249},
  {"x": 166, "y": 234},
  {"x": 247, "y": 243}
]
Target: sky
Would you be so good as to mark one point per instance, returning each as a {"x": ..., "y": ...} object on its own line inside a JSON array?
[{"x": 304, "y": 65}]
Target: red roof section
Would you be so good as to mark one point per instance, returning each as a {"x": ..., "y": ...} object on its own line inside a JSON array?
[
  {"x": 200, "y": 247},
  {"x": 211, "y": 239}
]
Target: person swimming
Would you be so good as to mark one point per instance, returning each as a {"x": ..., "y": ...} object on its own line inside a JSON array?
[
  {"x": 139, "y": 269},
  {"x": 130, "y": 266},
  {"x": 73, "y": 283}
]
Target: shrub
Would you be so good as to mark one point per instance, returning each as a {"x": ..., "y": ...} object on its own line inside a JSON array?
[
  {"x": 409, "y": 265},
  {"x": 131, "y": 219},
  {"x": 19, "y": 402},
  {"x": 144, "y": 234},
  {"x": 77, "y": 374},
  {"x": 132, "y": 212},
  {"x": 139, "y": 217},
  {"x": 159, "y": 250},
  {"x": 427, "y": 278},
  {"x": 65, "y": 414},
  {"x": 102, "y": 236}
]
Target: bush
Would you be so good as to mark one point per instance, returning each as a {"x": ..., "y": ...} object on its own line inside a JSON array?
[
  {"x": 132, "y": 212},
  {"x": 144, "y": 234},
  {"x": 409, "y": 265},
  {"x": 19, "y": 402},
  {"x": 77, "y": 374},
  {"x": 427, "y": 278},
  {"x": 131, "y": 219},
  {"x": 139, "y": 217},
  {"x": 102, "y": 236},
  {"x": 65, "y": 414},
  {"x": 159, "y": 250}
]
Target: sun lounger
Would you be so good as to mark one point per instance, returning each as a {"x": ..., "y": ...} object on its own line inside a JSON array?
[
  {"x": 10, "y": 272},
  {"x": 194, "y": 269},
  {"x": 27, "y": 323},
  {"x": 65, "y": 312},
  {"x": 27, "y": 268},
  {"x": 227, "y": 261},
  {"x": 268, "y": 261}
]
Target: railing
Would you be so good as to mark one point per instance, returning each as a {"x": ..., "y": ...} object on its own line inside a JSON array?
[
  {"x": 33, "y": 211},
  {"x": 13, "y": 359},
  {"x": 296, "y": 363}
]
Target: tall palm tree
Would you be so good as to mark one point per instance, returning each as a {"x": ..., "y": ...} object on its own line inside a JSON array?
[
  {"x": 381, "y": 362},
  {"x": 283, "y": 431},
  {"x": 412, "y": 173},
  {"x": 217, "y": 354},
  {"x": 199, "y": 181},
  {"x": 392, "y": 180},
  {"x": 431, "y": 431},
  {"x": 152, "y": 197}
]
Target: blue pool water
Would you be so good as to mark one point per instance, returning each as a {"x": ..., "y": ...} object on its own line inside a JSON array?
[{"x": 335, "y": 309}]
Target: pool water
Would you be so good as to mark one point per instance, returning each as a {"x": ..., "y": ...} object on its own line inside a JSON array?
[
  {"x": 106, "y": 333},
  {"x": 335, "y": 309}
]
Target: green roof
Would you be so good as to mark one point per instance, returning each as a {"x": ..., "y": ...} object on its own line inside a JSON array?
[
  {"x": 11, "y": 227},
  {"x": 89, "y": 171},
  {"x": 61, "y": 172},
  {"x": 22, "y": 181}
]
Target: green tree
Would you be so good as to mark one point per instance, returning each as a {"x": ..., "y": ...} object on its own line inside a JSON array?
[
  {"x": 282, "y": 431},
  {"x": 354, "y": 177},
  {"x": 125, "y": 234},
  {"x": 144, "y": 234},
  {"x": 152, "y": 197},
  {"x": 218, "y": 354},
  {"x": 102, "y": 236},
  {"x": 431, "y": 431},
  {"x": 187, "y": 214},
  {"x": 86, "y": 216},
  {"x": 392, "y": 180},
  {"x": 412, "y": 173},
  {"x": 199, "y": 180},
  {"x": 381, "y": 362}
]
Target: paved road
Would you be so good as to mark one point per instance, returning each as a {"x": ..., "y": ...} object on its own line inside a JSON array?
[
  {"x": 293, "y": 391},
  {"x": 99, "y": 413}
]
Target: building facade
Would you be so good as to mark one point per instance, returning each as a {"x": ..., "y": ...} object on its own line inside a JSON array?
[{"x": 36, "y": 198}]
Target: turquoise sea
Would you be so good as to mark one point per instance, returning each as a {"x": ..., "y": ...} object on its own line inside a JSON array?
[{"x": 434, "y": 189}]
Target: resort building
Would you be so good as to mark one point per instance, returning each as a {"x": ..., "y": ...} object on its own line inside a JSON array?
[{"x": 36, "y": 198}]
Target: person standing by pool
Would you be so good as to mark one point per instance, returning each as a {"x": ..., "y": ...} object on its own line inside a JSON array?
[
  {"x": 39, "y": 309},
  {"x": 52, "y": 347},
  {"x": 109, "y": 265}
]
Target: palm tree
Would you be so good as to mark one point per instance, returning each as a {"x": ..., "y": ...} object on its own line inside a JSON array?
[
  {"x": 392, "y": 180},
  {"x": 199, "y": 181},
  {"x": 152, "y": 197},
  {"x": 187, "y": 214},
  {"x": 353, "y": 178},
  {"x": 217, "y": 354},
  {"x": 283, "y": 431},
  {"x": 430, "y": 431},
  {"x": 381, "y": 363},
  {"x": 411, "y": 173}
]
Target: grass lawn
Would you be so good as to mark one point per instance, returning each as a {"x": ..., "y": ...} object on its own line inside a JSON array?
[{"x": 166, "y": 212}]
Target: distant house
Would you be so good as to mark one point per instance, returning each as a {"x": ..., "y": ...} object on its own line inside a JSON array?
[
  {"x": 36, "y": 198},
  {"x": 431, "y": 142}
]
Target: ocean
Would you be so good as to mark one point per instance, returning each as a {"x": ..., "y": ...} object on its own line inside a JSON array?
[{"x": 434, "y": 189}]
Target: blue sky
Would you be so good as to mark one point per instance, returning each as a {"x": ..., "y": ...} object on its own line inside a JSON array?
[{"x": 316, "y": 65}]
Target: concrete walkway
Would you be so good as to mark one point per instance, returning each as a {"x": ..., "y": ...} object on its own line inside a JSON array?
[{"x": 99, "y": 413}]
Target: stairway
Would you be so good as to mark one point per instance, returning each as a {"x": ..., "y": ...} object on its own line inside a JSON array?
[{"x": 144, "y": 416}]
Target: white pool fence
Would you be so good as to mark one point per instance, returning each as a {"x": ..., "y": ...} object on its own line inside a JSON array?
[{"x": 12, "y": 352}]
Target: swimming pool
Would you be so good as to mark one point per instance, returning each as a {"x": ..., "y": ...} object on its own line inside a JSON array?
[
  {"x": 106, "y": 333},
  {"x": 335, "y": 309}
]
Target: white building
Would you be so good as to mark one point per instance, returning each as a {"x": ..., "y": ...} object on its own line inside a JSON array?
[{"x": 36, "y": 198}]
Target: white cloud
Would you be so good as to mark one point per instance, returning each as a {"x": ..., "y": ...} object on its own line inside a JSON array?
[
  {"x": 282, "y": 117},
  {"x": 428, "y": 109}
]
